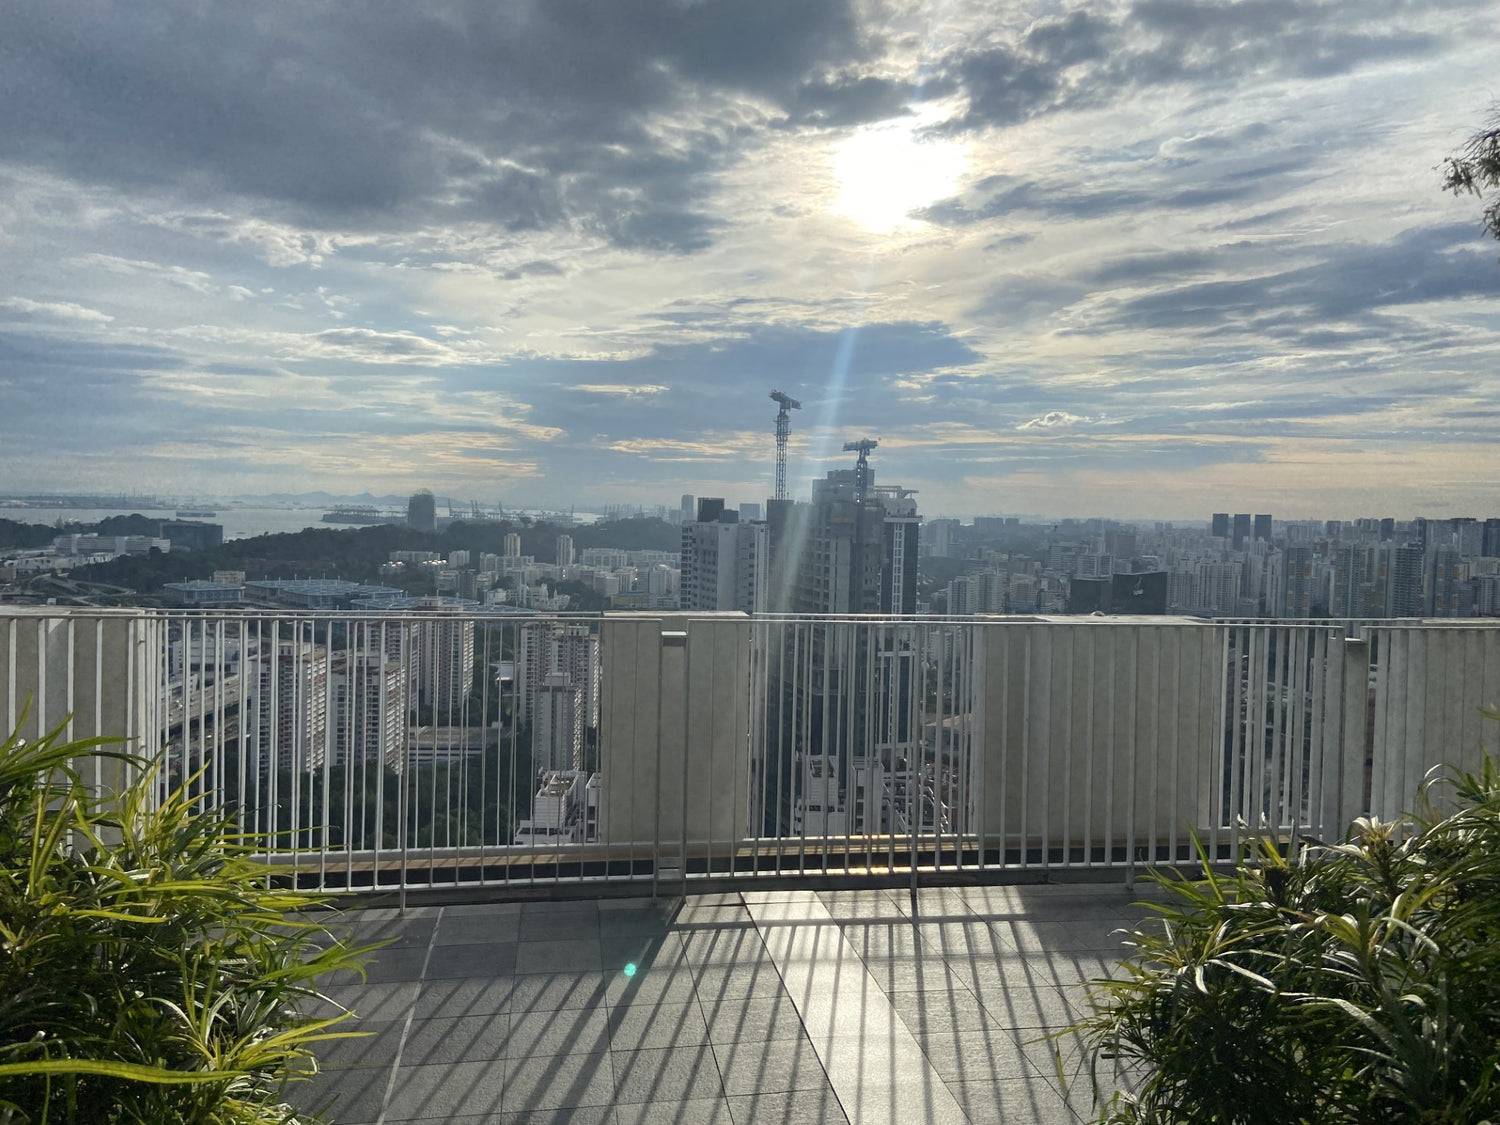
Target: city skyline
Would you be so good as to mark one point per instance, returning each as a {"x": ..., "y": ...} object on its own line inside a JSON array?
[{"x": 1141, "y": 261}]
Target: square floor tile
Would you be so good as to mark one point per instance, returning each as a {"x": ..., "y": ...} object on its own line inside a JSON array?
[
  {"x": 652, "y": 1026},
  {"x": 911, "y": 974},
  {"x": 671, "y": 1074},
  {"x": 548, "y": 992},
  {"x": 631, "y": 922},
  {"x": 478, "y": 929},
  {"x": 650, "y": 985},
  {"x": 958, "y": 1010},
  {"x": 432, "y": 1042},
  {"x": 700, "y": 1111},
  {"x": 376, "y": 1045},
  {"x": 422, "y": 1093},
  {"x": 771, "y": 1067},
  {"x": 485, "y": 959},
  {"x": 749, "y": 1020},
  {"x": 987, "y": 1055},
  {"x": 558, "y": 1082},
  {"x": 574, "y": 926},
  {"x": 727, "y": 945},
  {"x": 378, "y": 1003},
  {"x": 561, "y": 956},
  {"x": 465, "y": 996},
  {"x": 386, "y": 965},
  {"x": 1003, "y": 1103},
  {"x": 350, "y": 1097},
  {"x": 737, "y": 982},
  {"x": 801, "y": 1107},
  {"x": 579, "y": 1031}
]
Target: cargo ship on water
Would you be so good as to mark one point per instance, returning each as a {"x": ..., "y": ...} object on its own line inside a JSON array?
[
  {"x": 362, "y": 514},
  {"x": 195, "y": 514}
]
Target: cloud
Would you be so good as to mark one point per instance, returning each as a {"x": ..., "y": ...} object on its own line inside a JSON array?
[
  {"x": 54, "y": 310},
  {"x": 1086, "y": 58},
  {"x": 195, "y": 280},
  {"x": 520, "y": 116},
  {"x": 1054, "y": 420},
  {"x": 366, "y": 345},
  {"x": 621, "y": 390}
]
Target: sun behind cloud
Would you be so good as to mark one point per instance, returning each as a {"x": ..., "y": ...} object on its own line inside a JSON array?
[{"x": 885, "y": 172}]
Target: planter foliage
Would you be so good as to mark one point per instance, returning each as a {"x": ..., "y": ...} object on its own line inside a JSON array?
[
  {"x": 1358, "y": 982},
  {"x": 150, "y": 970}
]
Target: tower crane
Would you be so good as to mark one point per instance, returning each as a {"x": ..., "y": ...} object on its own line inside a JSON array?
[
  {"x": 783, "y": 430},
  {"x": 862, "y": 466}
]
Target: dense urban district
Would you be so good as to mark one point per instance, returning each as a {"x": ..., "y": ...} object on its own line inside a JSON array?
[{"x": 855, "y": 547}]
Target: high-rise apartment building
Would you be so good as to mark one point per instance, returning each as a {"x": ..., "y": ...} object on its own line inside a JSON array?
[
  {"x": 557, "y": 724},
  {"x": 565, "y": 550},
  {"x": 1405, "y": 575},
  {"x": 291, "y": 686},
  {"x": 1443, "y": 588},
  {"x": 552, "y": 648},
  {"x": 846, "y": 553},
  {"x": 724, "y": 561},
  {"x": 511, "y": 547},
  {"x": 853, "y": 549},
  {"x": 439, "y": 650},
  {"x": 940, "y": 538},
  {"x": 1297, "y": 588},
  {"x": 369, "y": 695}
]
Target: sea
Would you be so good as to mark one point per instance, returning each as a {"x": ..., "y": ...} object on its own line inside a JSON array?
[{"x": 239, "y": 523}]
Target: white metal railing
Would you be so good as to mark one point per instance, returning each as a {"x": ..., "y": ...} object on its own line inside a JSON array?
[{"x": 434, "y": 748}]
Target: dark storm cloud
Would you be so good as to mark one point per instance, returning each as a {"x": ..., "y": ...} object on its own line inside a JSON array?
[
  {"x": 999, "y": 196},
  {"x": 848, "y": 101},
  {"x": 525, "y": 115},
  {"x": 1083, "y": 60},
  {"x": 723, "y": 385},
  {"x": 1426, "y": 264}
]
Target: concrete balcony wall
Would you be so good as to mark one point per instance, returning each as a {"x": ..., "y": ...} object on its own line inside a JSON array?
[
  {"x": 1098, "y": 732},
  {"x": 1431, "y": 684},
  {"x": 97, "y": 670},
  {"x": 674, "y": 731},
  {"x": 1009, "y": 742}
]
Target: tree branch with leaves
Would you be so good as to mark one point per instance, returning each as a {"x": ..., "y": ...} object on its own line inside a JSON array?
[{"x": 1476, "y": 169}]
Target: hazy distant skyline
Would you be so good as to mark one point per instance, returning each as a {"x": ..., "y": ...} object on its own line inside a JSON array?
[{"x": 1147, "y": 259}]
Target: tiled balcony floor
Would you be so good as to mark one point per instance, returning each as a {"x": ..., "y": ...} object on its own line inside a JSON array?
[{"x": 762, "y": 1007}]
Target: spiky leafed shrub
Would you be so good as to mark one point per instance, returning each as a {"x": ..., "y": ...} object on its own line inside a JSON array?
[
  {"x": 1358, "y": 983},
  {"x": 149, "y": 969}
]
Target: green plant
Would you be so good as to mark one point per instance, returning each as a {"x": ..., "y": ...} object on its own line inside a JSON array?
[
  {"x": 1359, "y": 982},
  {"x": 153, "y": 972}
]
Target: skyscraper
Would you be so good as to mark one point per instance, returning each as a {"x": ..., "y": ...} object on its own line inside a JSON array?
[
  {"x": 1405, "y": 598},
  {"x": 1219, "y": 526},
  {"x": 1297, "y": 590},
  {"x": 1263, "y": 528},
  {"x": 421, "y": 511},
  {"x": 1490, "y": 540},
  {"x": 1242, "y": 530},
  {"x": 565, "y": 550},
  {"x": 724, "y": 561}
]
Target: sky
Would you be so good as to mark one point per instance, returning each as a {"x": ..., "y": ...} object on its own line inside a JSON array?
[{"x": 1151, "y": 258}]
